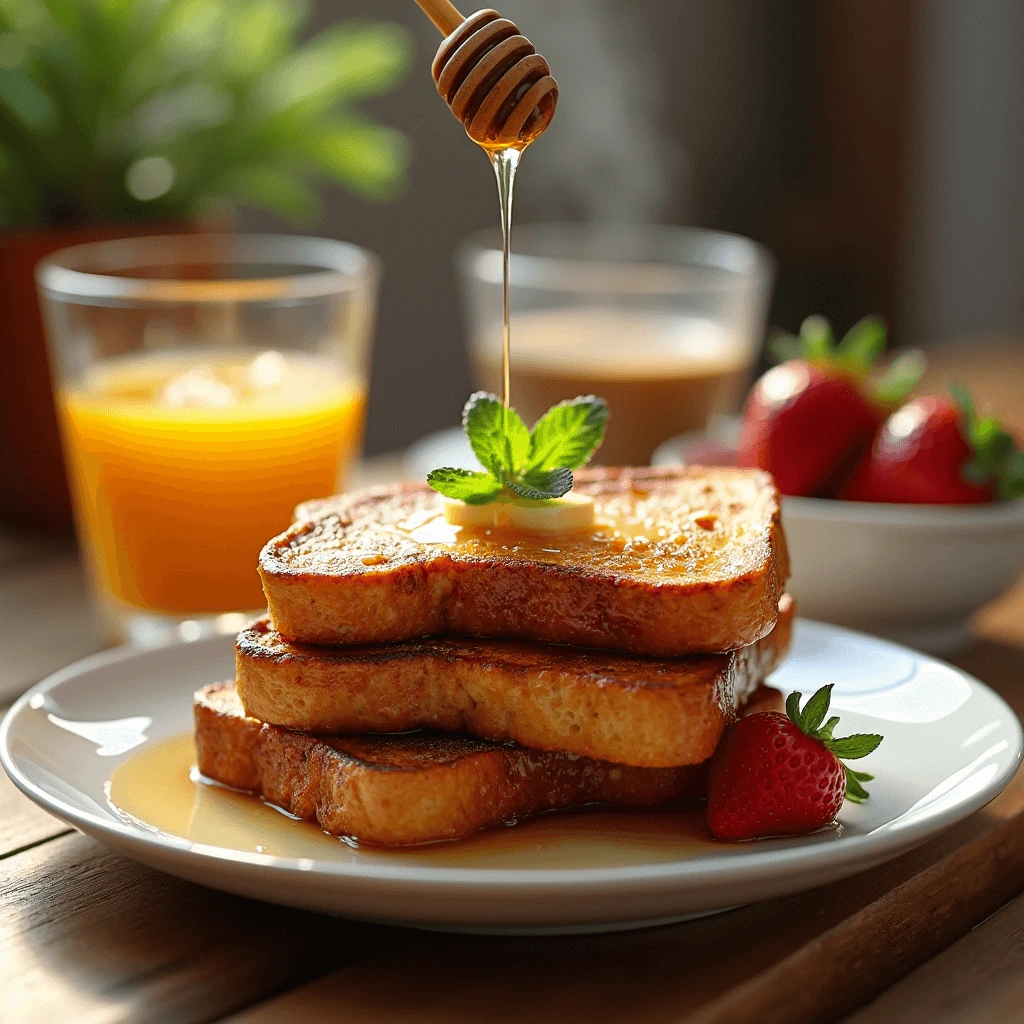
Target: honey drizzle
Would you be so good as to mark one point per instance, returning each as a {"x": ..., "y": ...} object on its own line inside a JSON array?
[{"x": 505, "y": 162}]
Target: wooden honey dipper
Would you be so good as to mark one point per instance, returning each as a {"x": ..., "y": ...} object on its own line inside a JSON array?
[{"x": 490, "y": 75}]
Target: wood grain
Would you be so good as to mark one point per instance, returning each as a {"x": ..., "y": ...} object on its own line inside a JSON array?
[
  {"x": 22, "y": 823},
  {"x": 978, "y": 979},
  {"x": 790, "y": 960},
  {"x": 91, "y": 937},
  {"x": 44, "y": 610}
]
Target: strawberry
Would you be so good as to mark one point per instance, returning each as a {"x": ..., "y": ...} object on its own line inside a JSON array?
[
  {"x": 806, "y": 415},
  {"x": 776, "y": 774},
  {"x": 936, "y": 451}
]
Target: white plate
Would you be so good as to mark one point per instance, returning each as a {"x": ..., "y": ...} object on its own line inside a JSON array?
[{"x": 951, "y": 745}]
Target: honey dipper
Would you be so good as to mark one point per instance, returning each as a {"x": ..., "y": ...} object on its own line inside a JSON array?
[{"x": 490, "y": 75}]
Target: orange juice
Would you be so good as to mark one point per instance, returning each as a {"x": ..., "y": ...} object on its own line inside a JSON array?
[{"x": 182, "y": 467}]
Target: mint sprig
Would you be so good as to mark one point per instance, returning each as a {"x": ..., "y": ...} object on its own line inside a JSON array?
[
  {"x": 532, "y": 464},
  {"x": 846, "y": 748}
]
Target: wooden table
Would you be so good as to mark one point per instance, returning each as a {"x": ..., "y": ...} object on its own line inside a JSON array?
[{"x": 86, "y": 935}]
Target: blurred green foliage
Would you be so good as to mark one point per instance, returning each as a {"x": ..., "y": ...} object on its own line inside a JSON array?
[{"x": 121, "y": 110}]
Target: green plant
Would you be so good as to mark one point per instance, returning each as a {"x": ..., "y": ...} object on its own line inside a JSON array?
[{"x": 120, "y": 110}]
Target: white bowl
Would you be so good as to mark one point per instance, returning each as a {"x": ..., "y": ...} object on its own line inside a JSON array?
[{"x": 913, "y": 573}]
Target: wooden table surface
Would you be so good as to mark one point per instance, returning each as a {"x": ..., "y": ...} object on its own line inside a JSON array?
[{"x": 86, "y": 935}]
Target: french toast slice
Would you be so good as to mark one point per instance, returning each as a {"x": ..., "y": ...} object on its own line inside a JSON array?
[
  {"x": 652, "y": 713},
  {"x": 413, "y": 788},
  {"x": 679, "y": 561}
]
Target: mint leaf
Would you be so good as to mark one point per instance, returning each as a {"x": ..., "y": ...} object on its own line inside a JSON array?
[
  {"x": 862, "y": 345},
  {"x": 536, "y": 466},
  {"x": 567, "y": 435},
  {"x": 849, "y": 748},
  {"x": 542, "y": 484},
  {"x": 816, "y": 708},
  {"x": 498, "y": 436},
  {"x": 464, "y": 485}
]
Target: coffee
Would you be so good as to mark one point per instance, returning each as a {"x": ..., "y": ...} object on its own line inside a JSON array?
[{"x": 661, "y": 374}]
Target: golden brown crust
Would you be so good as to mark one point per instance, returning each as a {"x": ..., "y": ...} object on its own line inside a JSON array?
[
  {"x": 680, "y": 561},
  {"x": 402, "y": 790},
  {"x": 612, "y": 707}
]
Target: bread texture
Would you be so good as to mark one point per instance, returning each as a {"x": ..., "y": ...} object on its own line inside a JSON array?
[
  {"x": 679, "y": 561},
  {"x": 652, "y": 713},
  {"x": 413, "y": 788}
]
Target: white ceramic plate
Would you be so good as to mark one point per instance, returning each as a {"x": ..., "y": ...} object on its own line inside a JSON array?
[{"x": 951, "y": 745}]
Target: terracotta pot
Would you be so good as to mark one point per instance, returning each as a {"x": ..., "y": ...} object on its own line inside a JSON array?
[{"x": 33, "y": 486}]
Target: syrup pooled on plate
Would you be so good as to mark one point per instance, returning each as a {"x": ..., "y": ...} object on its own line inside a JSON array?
[{"x": 160, "y": 788}]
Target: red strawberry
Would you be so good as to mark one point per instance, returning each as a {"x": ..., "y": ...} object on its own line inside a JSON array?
[
  {"x": 799, "y": 423},
  {"x": 805, "y": 416},
  {"x": 776, "y": 775},
  {"x": 934, "y": 451}
]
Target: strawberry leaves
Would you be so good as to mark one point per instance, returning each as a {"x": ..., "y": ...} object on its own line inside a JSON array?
[
  {"x": 997, "y": 459},
  {"x": 862, "y": 344},
  {"x": 536, "y": 465},
  {"x": 846, "y": 748},
  {"x": 855, "y": 792},
  {"x": 856, "y": 354},
  {"x": 900, "y": 378}
]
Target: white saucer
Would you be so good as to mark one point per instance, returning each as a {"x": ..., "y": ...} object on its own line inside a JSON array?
[{"x": 951, "y": 745}]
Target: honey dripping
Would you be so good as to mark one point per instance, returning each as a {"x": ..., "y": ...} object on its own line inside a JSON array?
[
  {"x": 505, "y": 162},
  {"x": 502, "y": 91}
]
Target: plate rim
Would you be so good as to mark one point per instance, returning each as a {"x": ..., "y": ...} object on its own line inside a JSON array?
[{"x": 870, "y": 848}]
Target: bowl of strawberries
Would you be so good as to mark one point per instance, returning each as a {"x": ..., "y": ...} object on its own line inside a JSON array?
[{"x": 904, "y": 513}]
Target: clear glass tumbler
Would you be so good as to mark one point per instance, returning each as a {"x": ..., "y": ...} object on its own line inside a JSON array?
[
  {"x": 205, "y": 385},
  {"x": 665, "y": 323}
]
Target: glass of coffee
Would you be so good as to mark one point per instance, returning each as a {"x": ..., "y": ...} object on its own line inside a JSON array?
[{"x": 665, "y": 323}]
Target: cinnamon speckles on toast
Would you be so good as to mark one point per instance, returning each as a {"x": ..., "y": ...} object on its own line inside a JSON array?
[{"x": 680, "y": 561}]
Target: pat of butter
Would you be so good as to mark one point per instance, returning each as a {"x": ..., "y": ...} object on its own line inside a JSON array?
[{"x": 560, "y": 515}]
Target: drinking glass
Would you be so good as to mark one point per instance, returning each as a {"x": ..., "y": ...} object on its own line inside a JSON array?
[
  {"x": 665, "y": 323},
  {"x": 205, "y": 385}
]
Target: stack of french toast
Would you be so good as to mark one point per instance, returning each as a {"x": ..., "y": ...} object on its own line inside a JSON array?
[{"x": 417, "y": 681}]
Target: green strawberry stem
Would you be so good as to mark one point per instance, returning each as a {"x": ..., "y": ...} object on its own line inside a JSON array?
[
  {"x": 996, "y": 460},
  {"x": 847, "y": 748},
  {"x": 856, "y": 354}
]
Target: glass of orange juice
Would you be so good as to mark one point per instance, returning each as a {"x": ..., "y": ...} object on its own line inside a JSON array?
[{"x": 205, "y": 385}]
